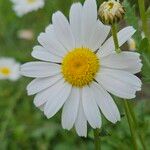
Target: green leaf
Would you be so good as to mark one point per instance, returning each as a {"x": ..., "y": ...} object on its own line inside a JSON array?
[
  {"x": 145, "y": 52},
  {"x": 148, "y": 12},
  {"x": 132, "y": 19}
]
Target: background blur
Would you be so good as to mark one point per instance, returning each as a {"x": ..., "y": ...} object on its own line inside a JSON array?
[{"x": 22, "y": 125}]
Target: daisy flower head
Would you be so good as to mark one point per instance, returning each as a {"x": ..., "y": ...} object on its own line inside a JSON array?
[
  {"x": 77, "y": 69},
  {"x": 22, "y": 7},
  {"x": 9, "y": 69}
]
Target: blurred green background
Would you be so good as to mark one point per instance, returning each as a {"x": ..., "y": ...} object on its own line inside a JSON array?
[{"x": 23, "y": 126}]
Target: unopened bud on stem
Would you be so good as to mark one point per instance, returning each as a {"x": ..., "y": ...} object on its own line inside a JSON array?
[{"x": 111, "y": 12}]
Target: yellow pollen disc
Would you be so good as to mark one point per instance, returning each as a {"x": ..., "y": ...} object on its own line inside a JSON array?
[
  {"x": 5, "y": 71},
  {"x": 80, "y": 66}
]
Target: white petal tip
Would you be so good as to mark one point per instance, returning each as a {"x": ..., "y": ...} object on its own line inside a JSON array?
[
  {"x": 35, "y": 104},
  {"x": 82, "y": 135},
  {"x": 118, "y": 119},
  {"x": 66, "y": 128},
  {"x": 29, "y": 93},
  {"x": 47, "y": 116},
  {"x": 131, "y": 29}
]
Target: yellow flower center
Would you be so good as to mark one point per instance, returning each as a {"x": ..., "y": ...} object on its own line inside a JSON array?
[
  {"x": 31, "y": 1},
  {"x": 5, "y": 71},
  {"x": 80, "y": 66}
]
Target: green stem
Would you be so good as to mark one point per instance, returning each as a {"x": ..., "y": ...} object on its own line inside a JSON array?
[
  {"x": 130, "y": 121},
  {"x": 114, "y": 34},
  {"x": 143, "y": 17},
  {"x": 142, "y": 141},
  {"x": 97, "y": 139},
  {"x": 136, "y": 125},
  {"x": 132, "y": 114}
]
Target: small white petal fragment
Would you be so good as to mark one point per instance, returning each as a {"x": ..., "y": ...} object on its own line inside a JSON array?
[
  {"x": 56, "y": 102},
  {"x": 43, "y": 96},
  {"x": 39, "y": 84},
  {"x": 42, "y": 54},
  {"x": 81, "y": 122},
  {"x": 63, "y": 31},
  {"x": 89, "y": 19},
  {"x": 90, "y": 108},
  {"x": 127, "y": 61},
  {"x": 49, "y": 41},
  {"x": 120, "y": 83},
  {"x": 40, "y": 69},
  {"x": 70, "y": 109},
  {"x": 106, "y": 103},
  {"x": 75, "y": 22},
  {"x": 99, "y": 35}
]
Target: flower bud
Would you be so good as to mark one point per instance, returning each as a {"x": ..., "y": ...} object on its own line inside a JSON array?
[
  {"x": 131, "y": 44},
  {"x": 111, "y": 12}
]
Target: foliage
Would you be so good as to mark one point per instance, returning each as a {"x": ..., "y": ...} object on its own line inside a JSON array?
[
  {"x": 132, "y": 19},
  {"x": 22, "y": 126}
]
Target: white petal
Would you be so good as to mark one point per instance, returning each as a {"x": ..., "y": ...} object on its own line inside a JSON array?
[
  {"x": 49, "y": 41},
  {"x": 63, "y": 31},
  {"x": 70, "y": 109},
  {"x": 75, "y": 22},
  {"x": 41, "y": 53},
  {"x": 40, "y": 69},
  {"x": 128, "y": 61},
  {"x": 90, "y": 108},
  {"x": 89, "y": 19},
  {"x": 43, "y": 96},
  {"x": 81, "y": 122},
  {"x": 106, "y": 103},
  {"x": 120, "y": 83},
  {"x": 42, "y": 107},
  {"x": 55, "y": 102},
  {"x": 123, "y": 35},
  {"x": 40, "y": 84},
  {"x": 15, "y": 72},
  {"x": 99, "y": 35}
]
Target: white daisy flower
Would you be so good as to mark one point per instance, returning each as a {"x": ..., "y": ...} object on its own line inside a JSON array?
[
  {"x": 78, "y": 69},
  {"x": 9, "y": 69},
  {"x": 22, "y": 7}
]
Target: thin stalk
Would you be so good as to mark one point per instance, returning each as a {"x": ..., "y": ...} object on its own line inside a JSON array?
[
  {"x": 143, "y": 17},
  {"x": 114, "y": 34},
  {"x": 97, "y": 139},
  {"x": 132, "y": 114},
  {"x": 142, "y": 141},
  {"x": 131, "y": 125},
  {"x": 136, "y": 125},
  {"x": 126, "y": 107}
]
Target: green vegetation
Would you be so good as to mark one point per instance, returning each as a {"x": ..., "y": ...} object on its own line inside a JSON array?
[{"x": 23, "y": 126}]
